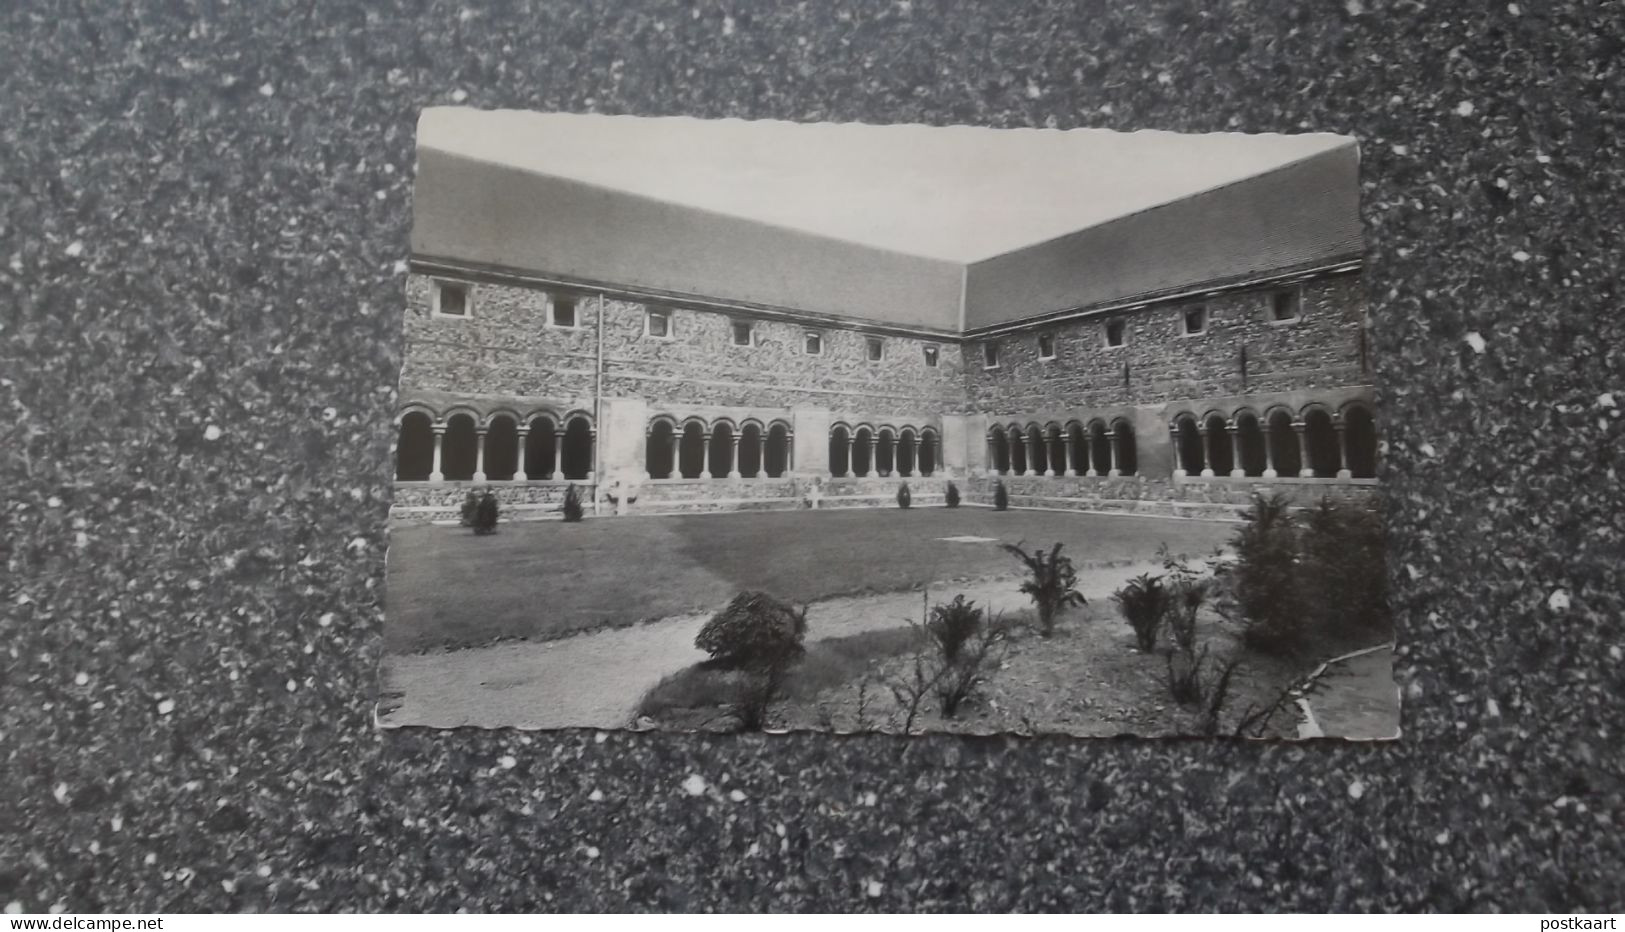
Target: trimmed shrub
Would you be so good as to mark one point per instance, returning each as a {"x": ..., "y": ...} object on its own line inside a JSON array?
[
  {"x": 1265, "y": 594},
  {"x": 1144, "y": 602},
  {"x": 952, "y": 496},
  {"x": 952, "y": 624},
  {"x": 471, "y": 506},
  {"x": 904, "y": 497},
  {"x": 1001, "y": 498},
  {"x": 1344, "y": 568},
  {"x": 755, "y": 631},
  {"x": 572, "y": 504},
  {"x": 1051, "y": 582},
  {"x": 485, "y": 515}
]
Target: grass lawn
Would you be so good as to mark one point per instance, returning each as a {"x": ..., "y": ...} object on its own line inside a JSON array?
[{"x": 449, "y": 588}]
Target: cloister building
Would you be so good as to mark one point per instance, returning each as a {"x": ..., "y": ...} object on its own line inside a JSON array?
[{"x": 725, "y": 314}]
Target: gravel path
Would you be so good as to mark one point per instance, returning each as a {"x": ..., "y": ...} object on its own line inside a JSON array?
[{"x": 595, "y": 680}]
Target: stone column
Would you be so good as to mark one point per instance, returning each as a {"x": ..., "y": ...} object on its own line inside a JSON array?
[
  {"x": 846, "y": 470},
  {"x": 558, "y": 454},
  {"x": 1305, "y": 470},
  {"x": 435, "y": 475},
  {"x": 1238, "y": 469},
  {"x": 1343, "y": 471},
  {"x": 592, "y": 457},
  {"x": 1111, "y": 437},
  {"x": 1089, "y": 453},
  {"x": 1049, "y": 458},
  {"x": 676, "y": 456},
  {"x": 479, "y": 455},
  {"x": 874, "y": 458},
  {"x": 992, "y": 457},
  {"x": 733, "y": 464},
  {"x": 1207, "y": 452},
  {"x": 936, "y": 455},
  {"x": 705, "y": 464},
  {"x": 1071, "y": 455},
  {"x": 789, "y": 453},
  {"x": 1032, "y": 449},
  {"x": 1269, "y": 451},
  {"x": 523, "y": 433},
  {"x": 1179, "y": 451}
]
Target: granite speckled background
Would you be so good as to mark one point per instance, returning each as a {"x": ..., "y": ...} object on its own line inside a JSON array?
[{"x": 203, "y": 211}]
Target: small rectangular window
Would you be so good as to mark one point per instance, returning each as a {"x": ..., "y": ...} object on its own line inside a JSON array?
[
  {"x": 990, "y": 355},
  {"x": 812, "y": 343},
  {"x": 657, "y": 323},
  {"x": 875, "y": 348},
  {"x": 451, "y": 299},
  {"x": 1114, "y": 332},
  {"x": 1195, "y": 319},
  {"x": 1284, "y": 305},
  {"x": 564, "y": 312},
  {"x": 1046, "y": 346},
  {"x": 931, "y": 356},
  {"x": 744, "y": 333}
]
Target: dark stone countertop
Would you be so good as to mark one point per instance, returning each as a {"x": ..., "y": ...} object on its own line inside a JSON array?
[{"x": 202, "y": 232}]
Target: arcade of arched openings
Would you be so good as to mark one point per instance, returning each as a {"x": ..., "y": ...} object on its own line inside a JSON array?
[
  {"x": 1313, "y": 442},
  {"x": 1094, "y": 447},
  {"x": 697, "y": 448},
  {"x": 461, "y": 444},
  {"x": 867, "y": 450}
]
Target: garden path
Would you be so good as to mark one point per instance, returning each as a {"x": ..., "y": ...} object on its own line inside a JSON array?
[{"x": 595, "y": 680}]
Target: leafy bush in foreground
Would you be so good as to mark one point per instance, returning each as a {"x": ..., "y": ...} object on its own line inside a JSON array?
[
  {"x": 952, "y": 496},
  {"x": 572, "y": 504},
  {"x": 1344, "y": 568},
  {"x": 1187, "y": 593},
  {"x": 952, "y": 624},
  {"x": 959, "y": 678},
  {"x": 1264, "y": 579},
  {"x": 755, "y": 631},
  {"x": 1051, "y": 582},
  {"x": 1143, "y": 602}
]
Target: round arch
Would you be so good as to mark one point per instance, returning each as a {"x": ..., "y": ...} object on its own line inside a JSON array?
[
  {"x": 457, "y": 447},
  {"x": 1127, "y": 446},
  {"x": 1320, "y": 439},
  {"x": 576, "y": 452},
  {"x": 1188, "y": 444},
  {"x": 660, "y": 448},
  {"x": 998, "y": 451},
  {"x": 501, "y": 446},
  {"x": 1360, "y": 441},
  {"x": 414, "y": 446},
  {"x": 840, "y": 450},
  {"x": 1282, "y": 454}
]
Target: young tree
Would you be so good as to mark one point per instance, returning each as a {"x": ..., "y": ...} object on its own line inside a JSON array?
[{"x": 1052, "y": 582}]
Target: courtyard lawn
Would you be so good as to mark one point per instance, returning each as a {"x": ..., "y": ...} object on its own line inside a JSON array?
[{"x": 543, "y": 580}]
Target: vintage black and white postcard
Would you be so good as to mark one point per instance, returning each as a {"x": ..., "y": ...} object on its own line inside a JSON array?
[{"x": 730, "y": 425}]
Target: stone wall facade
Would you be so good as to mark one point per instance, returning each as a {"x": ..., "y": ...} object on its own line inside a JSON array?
[{"x": 628, "y": 374}]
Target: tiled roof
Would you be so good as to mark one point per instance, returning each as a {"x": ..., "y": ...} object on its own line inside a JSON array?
[{"x": 945, "y": 227}]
